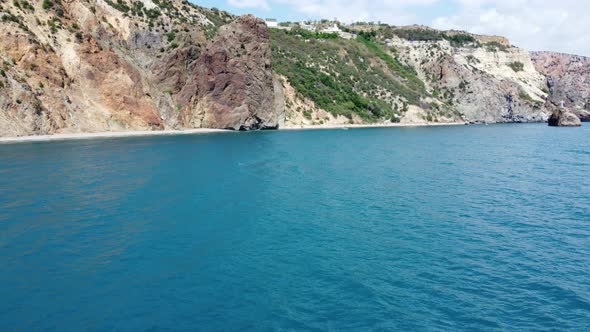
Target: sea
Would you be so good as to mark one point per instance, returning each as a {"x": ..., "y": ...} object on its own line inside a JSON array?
[{"x": 451, "y": 228}]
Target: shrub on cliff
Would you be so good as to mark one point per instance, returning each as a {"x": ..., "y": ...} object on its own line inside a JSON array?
[
  {"x": 516, "y": 66},
  {"x": 47, "y": 4},
  {"x": 306, "y": 34},
  {"x": 460, "y": 39},
  {"x": 418, "y": 34},
  {"x": 120, "y": 5}
]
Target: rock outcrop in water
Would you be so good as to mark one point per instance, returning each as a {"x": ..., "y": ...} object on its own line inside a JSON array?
[{"x": 561, "y": 117}]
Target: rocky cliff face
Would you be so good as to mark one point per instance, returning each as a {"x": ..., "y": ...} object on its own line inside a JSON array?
[
  {"x": 408, "y": 74},
  {"x": 88, "y": 66},
  {"x": 484, "y": 84},
  {"x": 114, "y": 65},
  {"x": 230, "y": 85},
  {"x": 568, "y": 80}
]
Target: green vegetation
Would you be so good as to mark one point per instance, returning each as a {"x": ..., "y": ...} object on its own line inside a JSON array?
[
  {"x": 418, "y": 34},
  {"x": 370, "y": 35},
  {"x": 119, "y": 5},
  {"x": 170, "y": 36},
  {"x": 345, "y": 77},
  {"x": 460, "y": 39},
  {"x": 425, "y": 35},
  {"x": 53, "y": 25},
  {"x": 312, "y": 35},
  {"x": 152, "y": 13},
  {"x": 137, "y": 8},
  {"x": 526, "y": 97},
  {"x": 495, "y": 47},
  {"x": 516, "y": 66},
  {"x": 407, "y": 73},
  {"x": 23, "y": 4},
  {"x": 8, "y": 17},
  {"x": 47, "y": 4},
  {"x": 216, "y": 16}
]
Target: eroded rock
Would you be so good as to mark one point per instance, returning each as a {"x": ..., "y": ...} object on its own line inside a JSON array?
[
  {"x": 563, "y": 118},
  {"x": 231, "y": 85},
  {"x": 567, "y": 80}
]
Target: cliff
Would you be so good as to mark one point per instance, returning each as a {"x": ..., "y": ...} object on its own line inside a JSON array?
[
  {"x": 568, "y": 80},
  {"x": 100, "y": 65},
  {"x": 407, "y": 74},
  {"x": 91, "y": 66}
]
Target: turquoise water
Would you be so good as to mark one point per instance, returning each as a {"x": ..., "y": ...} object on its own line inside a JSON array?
[{"x": 448, "y": 228}]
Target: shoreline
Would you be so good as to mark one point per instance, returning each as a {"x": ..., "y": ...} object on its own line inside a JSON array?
[
  {"x": 107, "y": 134},
  {"x": 146, "y": 133},
  {"x": 374, "y": 125}
]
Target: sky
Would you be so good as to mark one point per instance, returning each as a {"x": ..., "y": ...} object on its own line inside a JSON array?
[{"x": 537, "y": 25}]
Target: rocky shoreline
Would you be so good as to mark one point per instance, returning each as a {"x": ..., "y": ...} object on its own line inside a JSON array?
[
  {"x": 125, "y": 134},
  {"x": 103, "y": 67},
  {"x": 200, "y": 131}
]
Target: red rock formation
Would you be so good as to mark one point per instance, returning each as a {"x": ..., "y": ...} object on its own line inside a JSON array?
[
  {"x": 568, "y": 80},
  {"x": 88, "y": 66},
  {"x": 230, "y": 85}
]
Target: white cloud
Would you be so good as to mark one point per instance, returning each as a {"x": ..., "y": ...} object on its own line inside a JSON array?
[
  {"x": 260, "y": 4},
  {"x": 390, "y": 11},
  {"x": 561, "y": 26}
]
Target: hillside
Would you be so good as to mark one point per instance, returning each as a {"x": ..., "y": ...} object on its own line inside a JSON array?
[
  {"x": 410, "y": 75},
  {"x": 102, "y": 65},
  {"x": 90, "y": 66}
]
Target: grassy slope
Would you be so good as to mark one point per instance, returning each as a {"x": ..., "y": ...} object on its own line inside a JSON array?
[{"x": 345, "y": 76}]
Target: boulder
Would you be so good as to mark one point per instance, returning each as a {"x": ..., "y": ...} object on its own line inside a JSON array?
[
  {"x": 584, "y": 115},
  {"x": 564, "y": 118}
]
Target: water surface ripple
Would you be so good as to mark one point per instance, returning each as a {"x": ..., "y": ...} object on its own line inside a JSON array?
[{"x": 450, "y": 228}]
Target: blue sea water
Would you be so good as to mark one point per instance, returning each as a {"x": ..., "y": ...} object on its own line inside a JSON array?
[{"x": 439, "y": 228}]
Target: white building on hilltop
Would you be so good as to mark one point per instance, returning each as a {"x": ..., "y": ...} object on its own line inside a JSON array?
[
  {"x": 306, "y": 26},
  {"x": 332, "y": 29},
  {"x": 271, "y": 23}
]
